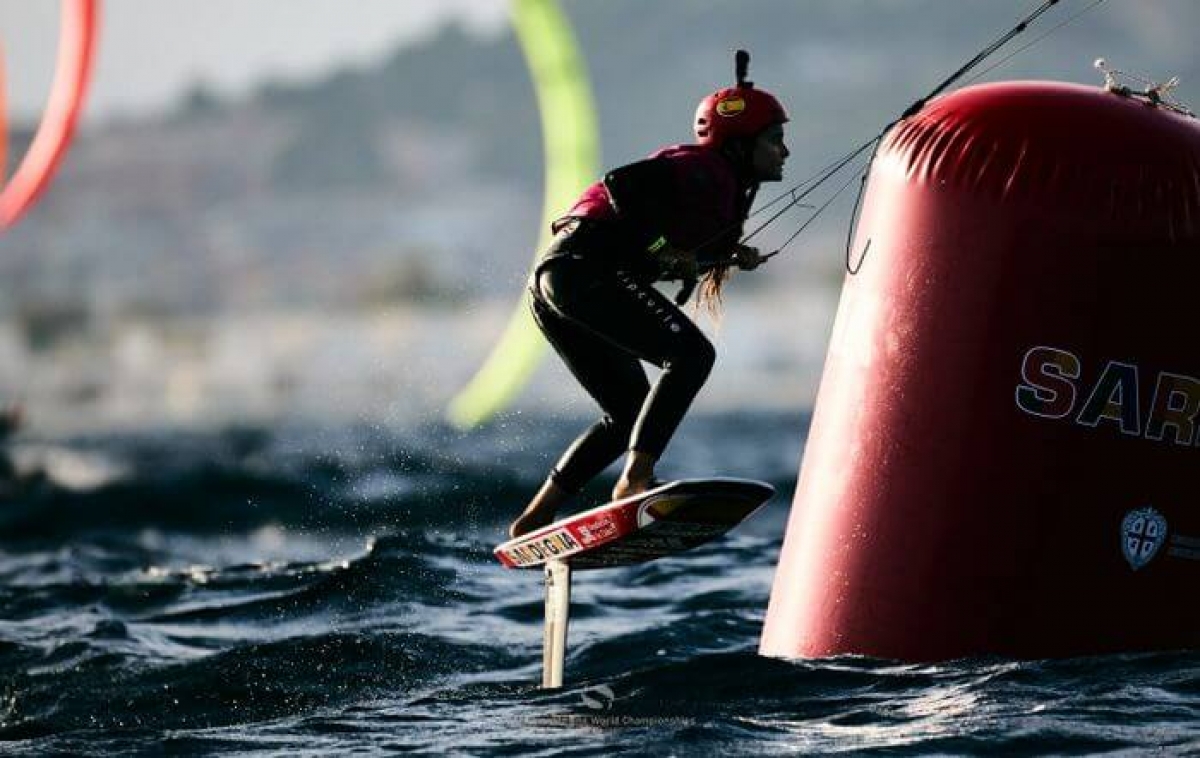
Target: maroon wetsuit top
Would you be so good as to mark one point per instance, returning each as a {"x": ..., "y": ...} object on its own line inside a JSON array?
[{"x": 688, "y": 195}]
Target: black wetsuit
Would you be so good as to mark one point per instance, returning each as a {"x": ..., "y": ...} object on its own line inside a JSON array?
[{"x": 592, "y": 296}]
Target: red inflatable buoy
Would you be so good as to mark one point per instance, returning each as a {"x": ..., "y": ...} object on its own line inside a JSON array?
[{"x": 1005, "y": 444}]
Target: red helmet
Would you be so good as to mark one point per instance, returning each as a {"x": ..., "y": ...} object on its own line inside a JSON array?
[{"x": 741, "y": 111}]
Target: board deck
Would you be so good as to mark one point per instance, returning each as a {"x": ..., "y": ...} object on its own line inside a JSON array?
[{"x": 668, "y": 519}]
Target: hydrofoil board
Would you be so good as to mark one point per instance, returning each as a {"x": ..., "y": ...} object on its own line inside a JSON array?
[{"x": 668, "y": 519}]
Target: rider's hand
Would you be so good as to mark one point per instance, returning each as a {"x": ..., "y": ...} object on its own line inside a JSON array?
[
  {"x": 747, "y": 258},
  {"x": 678, "y": 264}
]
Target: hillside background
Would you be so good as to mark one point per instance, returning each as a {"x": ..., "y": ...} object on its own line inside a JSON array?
[{"x": 350, "y": 245}]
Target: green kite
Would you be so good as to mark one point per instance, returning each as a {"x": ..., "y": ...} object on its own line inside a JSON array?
[{"x": 571, "y": 150}]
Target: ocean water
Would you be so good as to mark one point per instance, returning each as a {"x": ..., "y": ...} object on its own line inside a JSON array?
[{"x": 300, "y": 590}]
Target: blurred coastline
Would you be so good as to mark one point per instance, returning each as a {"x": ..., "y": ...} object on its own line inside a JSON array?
[{"x": 393, "y": 365}]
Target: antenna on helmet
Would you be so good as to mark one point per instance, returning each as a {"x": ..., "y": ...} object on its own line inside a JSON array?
[{"x": 741, "y": 65}]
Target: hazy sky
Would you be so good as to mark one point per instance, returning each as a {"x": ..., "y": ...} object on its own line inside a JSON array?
[{"x": 151, "y": 50}]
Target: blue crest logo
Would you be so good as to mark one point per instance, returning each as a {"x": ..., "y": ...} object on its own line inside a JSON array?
[{"x": 1143, "y": 532}]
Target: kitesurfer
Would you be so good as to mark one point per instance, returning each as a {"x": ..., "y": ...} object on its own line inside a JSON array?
[{"x": 677, "y": 215}]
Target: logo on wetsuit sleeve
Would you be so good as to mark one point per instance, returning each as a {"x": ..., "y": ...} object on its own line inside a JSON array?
[{"x": 665, "y": 316}]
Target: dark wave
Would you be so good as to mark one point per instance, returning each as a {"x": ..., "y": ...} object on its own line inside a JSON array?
[
  {"x": 245, "y": 685},
  {"x": 362, "y": 478},
  {"x": 330, "y": 591}
]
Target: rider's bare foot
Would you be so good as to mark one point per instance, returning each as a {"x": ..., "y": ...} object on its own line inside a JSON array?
[
  {"x": 628, "y": 487},
  {"x": 533, "y": 517},
  {"x": 637, "y": 477},
  {"x": 540, "y": 510}
]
